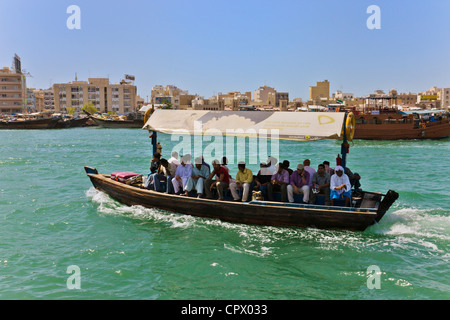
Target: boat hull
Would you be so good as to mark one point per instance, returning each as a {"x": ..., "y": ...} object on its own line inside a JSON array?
[
  {"x": 270, "y": 214},
  {"x": 107, "y": 123},
  {"x": 30, "y": 124},
  {"x": 398, "y": 131}
]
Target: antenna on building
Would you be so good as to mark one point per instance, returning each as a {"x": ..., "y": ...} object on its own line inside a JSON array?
[{"x": 76, "y": 78}]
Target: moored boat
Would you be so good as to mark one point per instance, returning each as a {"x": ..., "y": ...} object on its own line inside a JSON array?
[
  {"x": 31, "y": 121},
  {"x": 366, "y": 208},
  {"x": 429, "y": 124},
  {"x": 118, "y": 122}
]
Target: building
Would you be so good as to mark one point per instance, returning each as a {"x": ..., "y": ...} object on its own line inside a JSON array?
[
  {"x": 31, "y": 101},
  {"x": 339, "y": 95},
  {"x": 13, "y": 91},
  {"x": 39, "y": 99},
  {"x": 320, "y": 92},
  {"x": 407, "y": 99},
  {"x": 445, "y": 98},
  {"x": 119, "y": 98},
  {"x": 215, "y": 104},
  {"x": 172, "y": 96},
  {"x": 265, "y": 95}
]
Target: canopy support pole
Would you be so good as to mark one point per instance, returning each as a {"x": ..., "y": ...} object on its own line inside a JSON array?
[
  {"x": 154, "y": 141},
  {"x": 344, "y": 143}
]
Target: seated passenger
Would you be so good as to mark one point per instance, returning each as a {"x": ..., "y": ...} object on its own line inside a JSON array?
[
  {"x": 221, "y": 183},
  {"x": 279, "y": 182},
  {"x": 262, "y": 179},
  {"x": 299, "y": 184},
  {"x": 184, "y": 171},
  {"x": 340, "y": 186},
  {"x": 154, "y": 163},
  {"x": 244, "y": 178},
  {"x": 286, "y": 165},
  {"x": 197, "y": 180},
  {"x": 311, "y": 171},
  {"x": 161, "y": 175},
  {"x": 320, "y": 184}
]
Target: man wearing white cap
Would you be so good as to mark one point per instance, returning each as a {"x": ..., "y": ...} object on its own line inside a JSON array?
[
  {"x": 184, "y": 171},
  {"x": 244, "y": 178},
  {"x": 340, "y": 186},
  {"x": 196, "y": 181}
]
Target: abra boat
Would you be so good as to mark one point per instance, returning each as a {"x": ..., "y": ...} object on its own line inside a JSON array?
[
  {"x": 426, "y": 124},
  {"x": 368, "y": 208}
]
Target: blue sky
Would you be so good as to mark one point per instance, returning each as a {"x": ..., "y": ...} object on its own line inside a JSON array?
[{"x": 219, "y": 46}]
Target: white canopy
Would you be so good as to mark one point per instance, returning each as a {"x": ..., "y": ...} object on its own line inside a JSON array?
[{"x": 280, "y": 125}]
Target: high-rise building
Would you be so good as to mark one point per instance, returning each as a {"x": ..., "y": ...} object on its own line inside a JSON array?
[
  {"x": 13, "y": 91},
  {"x": 119, "y": 98}
]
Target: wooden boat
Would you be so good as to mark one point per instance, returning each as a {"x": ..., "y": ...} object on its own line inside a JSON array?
[
  {"x": 366, "y": 209},
  {"x": 118, "y": 123},
  {"x": 370, "y": 210},
  {"x": 30, "y": 122},
  {"x": 396, "y": 126},
  {"x": 72, "y": 122}
]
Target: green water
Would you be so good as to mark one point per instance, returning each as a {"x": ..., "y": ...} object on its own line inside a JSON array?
[{"x": 52, "y": 218}]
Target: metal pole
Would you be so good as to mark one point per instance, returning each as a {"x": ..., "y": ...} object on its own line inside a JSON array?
[{"x": 343, "y": 149}]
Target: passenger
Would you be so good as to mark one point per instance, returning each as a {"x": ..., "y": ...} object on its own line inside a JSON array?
[
  {"x": 354, "y": 179},
  {"x": 311, "y": 171},
  {"x": 197, "y": 180},
  {"x": 279, "y": 182},
  {"x": 320, "y": 183},
  {"x": 206, "y": 165},
  {"x": 244, "y": 178},
  {"x": 162, "y": 175},
  {"x": 262, "y": 179},
  {"x": 221, "y": 183},
  {"x": 340, "y": 186},
  {"x": 327, "y": 168},
  {"x": 286, "y": 165},
  {"x": 271, "y": 168},
  {"x": 154, "y": 163},
  {"x": 184, "y": 171},
  {"x": 174, "y": 159},
  {"x": 299, "y": 184}
]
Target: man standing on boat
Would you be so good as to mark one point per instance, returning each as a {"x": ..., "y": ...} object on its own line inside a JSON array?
[
  {"x": 244, "y": 178},
  {"x": 340, "y": 186}
]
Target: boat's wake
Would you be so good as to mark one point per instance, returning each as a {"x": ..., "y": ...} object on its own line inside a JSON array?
[{"x": 407, "y": 228}]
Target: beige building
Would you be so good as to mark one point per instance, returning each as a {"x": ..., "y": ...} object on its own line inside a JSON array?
[
  {"x": 407, "y": 99},
  {"x": 171, "y": 94},
  {"x": 445, "y": 98},
  {"x": 320, "y": 92},
  {"x": 265, "y": 95},
  {"x": 13, "y": 91},
  {"x": 119, "y": 98}
]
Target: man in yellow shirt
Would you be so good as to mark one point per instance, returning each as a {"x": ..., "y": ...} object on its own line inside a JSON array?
[{"x": 244, "y": 178}]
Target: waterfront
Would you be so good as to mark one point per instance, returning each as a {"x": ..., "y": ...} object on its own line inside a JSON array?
[{"x": 52, "y": 218}]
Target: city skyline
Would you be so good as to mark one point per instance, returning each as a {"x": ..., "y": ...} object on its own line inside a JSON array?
[{"x": 207, "y": 48}]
